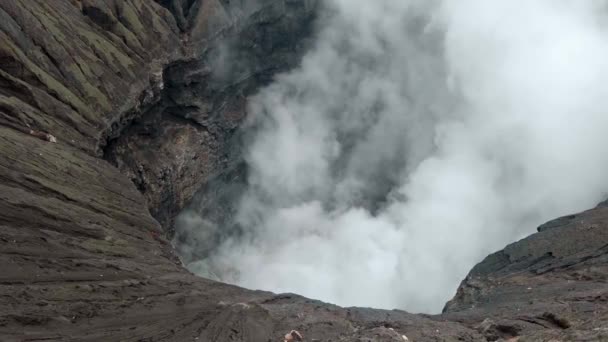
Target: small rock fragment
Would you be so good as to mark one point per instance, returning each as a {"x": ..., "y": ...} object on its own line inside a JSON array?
[
  {"x": 293, "y": 335},
  {"x": 561, "y": 322},
  {"x": 42, "y": 135}
]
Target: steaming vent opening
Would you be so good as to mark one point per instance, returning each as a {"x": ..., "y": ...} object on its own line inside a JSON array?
[{"x": 415, "y": 138}]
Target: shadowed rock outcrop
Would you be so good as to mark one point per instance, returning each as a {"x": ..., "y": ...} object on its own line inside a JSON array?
[
  {"x": 186, "y": 136},
  {"x": 144, "y": 114}
]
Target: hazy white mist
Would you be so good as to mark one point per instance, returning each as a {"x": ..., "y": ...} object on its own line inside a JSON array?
[{"x": 416, "y": 138}]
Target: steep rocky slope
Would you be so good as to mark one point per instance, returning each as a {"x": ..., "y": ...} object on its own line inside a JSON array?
[
  {"x": 555, "y": 279},
  {"x": 143, "y": 113}
]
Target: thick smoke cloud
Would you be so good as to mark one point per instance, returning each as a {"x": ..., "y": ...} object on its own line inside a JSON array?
[{"x": 416, "y": 138}]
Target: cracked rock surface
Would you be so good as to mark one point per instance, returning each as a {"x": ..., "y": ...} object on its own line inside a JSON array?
[{"x": 130, "y": 90}]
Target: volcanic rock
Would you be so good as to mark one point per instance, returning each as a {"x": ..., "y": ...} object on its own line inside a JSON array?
[{"x": 145, "y": 114}]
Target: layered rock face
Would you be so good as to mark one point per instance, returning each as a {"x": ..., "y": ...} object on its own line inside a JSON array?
[
  {"x": 550, "y": 284},
  {"x": 144, "y": 113}
]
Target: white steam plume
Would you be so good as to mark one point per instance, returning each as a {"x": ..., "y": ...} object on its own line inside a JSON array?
[{"x": 416, "y": 138}]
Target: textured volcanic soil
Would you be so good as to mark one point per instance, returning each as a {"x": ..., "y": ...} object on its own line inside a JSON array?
[{"x": 144, "y": 116}]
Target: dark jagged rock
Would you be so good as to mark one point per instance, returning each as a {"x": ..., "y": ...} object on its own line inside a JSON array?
[
  {"x": 140, "y": 83},
  {"x": 184, "y": 138},
  {"x": 555, "y": 279}
]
